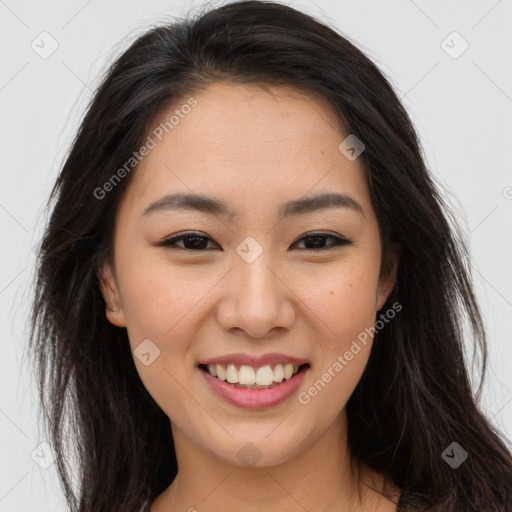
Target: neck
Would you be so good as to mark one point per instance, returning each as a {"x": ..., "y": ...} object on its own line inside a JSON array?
[{"x": 319, "y": 478}]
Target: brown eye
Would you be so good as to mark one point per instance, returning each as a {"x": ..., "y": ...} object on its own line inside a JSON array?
[
  {"x": 191, "y": 242},
  {"x": 316, "y": 241},
  {"x": 198, "y": 242}
]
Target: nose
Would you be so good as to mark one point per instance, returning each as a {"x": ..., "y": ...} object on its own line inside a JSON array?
[{"x": 256, "y": 299}]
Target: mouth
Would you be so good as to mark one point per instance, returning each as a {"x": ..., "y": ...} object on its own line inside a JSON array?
[{"x": 249, "y": 377}]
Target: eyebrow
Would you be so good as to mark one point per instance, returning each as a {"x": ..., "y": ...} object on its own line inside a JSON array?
[{"x": 209, "y": 205}]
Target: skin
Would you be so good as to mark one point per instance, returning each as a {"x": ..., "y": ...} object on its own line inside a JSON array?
[{"x": 253, "y": 148}]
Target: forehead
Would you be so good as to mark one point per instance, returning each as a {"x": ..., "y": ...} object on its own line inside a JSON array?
[{"x": 251, "y": 144}]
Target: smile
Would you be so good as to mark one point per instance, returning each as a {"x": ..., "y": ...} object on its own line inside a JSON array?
[
  {"x": 280, "y": 382},
  {"x": 249, "y": 377}
]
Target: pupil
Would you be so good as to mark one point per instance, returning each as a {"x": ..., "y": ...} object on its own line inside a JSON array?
[
  {"x": 316, "y": 238},
  {"x": 199, "y": 242}
]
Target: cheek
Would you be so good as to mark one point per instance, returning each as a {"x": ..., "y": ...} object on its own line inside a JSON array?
[
  {"x": 345, "y": 304},
  {"x": 161, "y": 304},
  {"x": 161, "y": 301},
  {"x": 345, "y": 307}
]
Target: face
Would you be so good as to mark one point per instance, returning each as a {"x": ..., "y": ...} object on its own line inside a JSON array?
[{"x": 251, "y": 280}]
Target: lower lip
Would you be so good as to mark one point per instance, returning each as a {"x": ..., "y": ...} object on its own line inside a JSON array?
[{"x": 255, "y": 398}]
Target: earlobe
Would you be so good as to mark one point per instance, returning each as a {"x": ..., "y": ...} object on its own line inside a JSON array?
[{"x": 109, "y": 290}]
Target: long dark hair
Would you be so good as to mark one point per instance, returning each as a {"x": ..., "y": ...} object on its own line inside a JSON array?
[{"x": 414, "y": 399}]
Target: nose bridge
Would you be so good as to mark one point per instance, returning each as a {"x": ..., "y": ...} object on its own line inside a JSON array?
[
  {"x": 255, "y": 284},
  {"x": 258, "y": 300}
]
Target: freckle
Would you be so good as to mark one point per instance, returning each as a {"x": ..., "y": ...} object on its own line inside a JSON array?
[{"x": 331, "y": 292}]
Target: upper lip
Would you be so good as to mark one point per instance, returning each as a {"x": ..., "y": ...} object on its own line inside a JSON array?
[{"x": 254, "y": 361}]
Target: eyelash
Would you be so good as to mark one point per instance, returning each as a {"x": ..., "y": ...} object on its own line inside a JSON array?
[{"x": 171, "y": 242}]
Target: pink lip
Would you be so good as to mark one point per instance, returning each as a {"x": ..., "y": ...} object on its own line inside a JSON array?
[
  {"x": 255, "y": 361},
  {"x": 254, "y": 398}
]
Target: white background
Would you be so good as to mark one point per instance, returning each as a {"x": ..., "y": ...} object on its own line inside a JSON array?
[{"x": 461, "y": 107}]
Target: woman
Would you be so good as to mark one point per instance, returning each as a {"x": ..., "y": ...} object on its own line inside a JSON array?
[{"x": 250, "y": 294}]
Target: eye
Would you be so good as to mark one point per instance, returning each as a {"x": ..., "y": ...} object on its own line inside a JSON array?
[
  {"x": 191, "y": 241},
  {"x": 198, "y": 242},
  {"x": 317, "y": 241}
]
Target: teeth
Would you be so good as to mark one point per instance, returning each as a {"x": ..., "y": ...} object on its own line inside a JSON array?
[
  {"x": 221, "y": 373},
  {"x": 264, "y": 376},
  {"x": 246, "y": 375},
  {"x": 232, "y": 374},
  {"x": 255, "y": 378},
  {"x": 278, "y": 373}
]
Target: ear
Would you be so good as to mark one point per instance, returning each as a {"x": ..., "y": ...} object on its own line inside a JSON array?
[
  {"x": 387, "y": 276},
  {"x": 110, "y": 292}
]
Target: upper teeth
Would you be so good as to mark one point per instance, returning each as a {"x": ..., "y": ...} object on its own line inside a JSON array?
[{"x": 262, "y": 376}]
